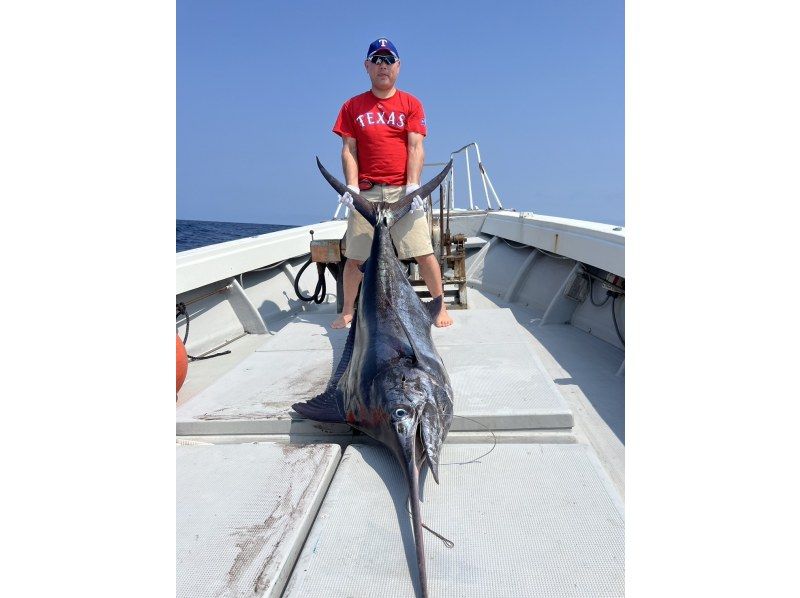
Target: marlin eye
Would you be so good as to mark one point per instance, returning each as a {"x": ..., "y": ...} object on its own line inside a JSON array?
[{"x": 400, "y": 412}]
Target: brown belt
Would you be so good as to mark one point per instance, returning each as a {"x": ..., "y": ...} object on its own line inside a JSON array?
[{"x": 366, "y": 184}]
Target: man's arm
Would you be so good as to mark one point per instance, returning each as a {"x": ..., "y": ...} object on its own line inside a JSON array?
[
  {"x": 416, "y": 158},
  {"x": 350, "y": 161}
]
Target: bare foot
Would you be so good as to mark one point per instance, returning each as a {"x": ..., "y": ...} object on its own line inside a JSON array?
[
  {"x": 342, "y": 321},
  {"x": 443, "y": 319}
]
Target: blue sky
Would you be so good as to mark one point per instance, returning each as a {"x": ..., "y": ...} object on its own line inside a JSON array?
[{"x": 539, "y": 85}]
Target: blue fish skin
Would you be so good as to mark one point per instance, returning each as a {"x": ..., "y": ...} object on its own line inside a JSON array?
[{"x": 391, "y": 383}]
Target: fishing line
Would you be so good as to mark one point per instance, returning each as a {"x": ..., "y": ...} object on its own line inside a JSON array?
[
  {"x": 445, "y": 541},
  {"x": 476, "y": 459},
  {"x": 553, "y": 255},
  {"x": 514, "y": 246},
  {"x": 523, "y": 246}
]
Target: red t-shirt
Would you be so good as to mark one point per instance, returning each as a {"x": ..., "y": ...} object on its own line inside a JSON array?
[{"x": 380, "y": 128}]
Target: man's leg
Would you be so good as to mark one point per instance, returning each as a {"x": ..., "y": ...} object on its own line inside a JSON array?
[
  {"x": 432, "y": 275},
  {"x": 352, "y": 278},
  {"x": 358, "y": 240}
]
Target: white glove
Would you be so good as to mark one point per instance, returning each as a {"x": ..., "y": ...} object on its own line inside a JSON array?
[
  {"x": 347, "y": 199},
  {"x": 416, "y": 203}
]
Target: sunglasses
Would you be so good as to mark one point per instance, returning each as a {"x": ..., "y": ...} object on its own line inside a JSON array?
[{"x": 383, "y": 58}]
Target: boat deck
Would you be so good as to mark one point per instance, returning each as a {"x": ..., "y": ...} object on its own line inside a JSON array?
[
  {"x": 534, "y": 520},
  {"x": 539, "y": 515},
  {"x": 498, "y": 381},
  {"x": 244, "y": 511},
  {"x": 583, "y": 369}
]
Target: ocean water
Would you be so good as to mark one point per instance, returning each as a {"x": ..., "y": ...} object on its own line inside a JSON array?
[{"x": 191, "y": 234}]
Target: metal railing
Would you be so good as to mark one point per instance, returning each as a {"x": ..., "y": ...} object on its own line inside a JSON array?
[
  {"x": 449, "y": 182},
  {"x": 487, "y": 182}
]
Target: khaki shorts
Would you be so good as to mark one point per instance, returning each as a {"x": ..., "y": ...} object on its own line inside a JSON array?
[{"x": 411, "y": 234}]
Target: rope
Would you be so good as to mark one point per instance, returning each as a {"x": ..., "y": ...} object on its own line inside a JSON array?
[
  {"x": 319, "y": 291},
  {"x": 614, "y": 315},
  {"x": 591, "y": 294},
  {"x": 181, "y": 309}
]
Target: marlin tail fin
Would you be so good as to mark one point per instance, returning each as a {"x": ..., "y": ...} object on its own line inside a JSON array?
[
  {"x": 366, "y": 208},
  {"x": 371, "y": 211},
  {"x": 401, "y": 208}
]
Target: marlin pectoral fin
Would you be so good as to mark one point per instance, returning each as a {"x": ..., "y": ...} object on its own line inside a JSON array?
[
  {"x": 326, "y": 407},
  {"x": 412, "y": 340},
  {"x": 366, "y": 208},
  {"x": 431, "y": 426}
]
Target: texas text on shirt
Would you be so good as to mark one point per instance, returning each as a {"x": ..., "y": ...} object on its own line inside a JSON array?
[{"x": 381, "y": 158}]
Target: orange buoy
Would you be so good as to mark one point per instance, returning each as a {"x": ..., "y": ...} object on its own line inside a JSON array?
[{"x": 181, "y": 363}]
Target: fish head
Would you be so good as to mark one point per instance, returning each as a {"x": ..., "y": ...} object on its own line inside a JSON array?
[{"x": 411, "y": 424}]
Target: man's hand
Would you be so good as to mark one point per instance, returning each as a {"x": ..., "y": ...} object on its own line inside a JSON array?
[
  {"x": 416, "y": 203},
  {"x": 347, "y": 199}
]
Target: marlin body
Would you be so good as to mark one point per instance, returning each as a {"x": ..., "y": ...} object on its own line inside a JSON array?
[{"x": 391, "y": 383}]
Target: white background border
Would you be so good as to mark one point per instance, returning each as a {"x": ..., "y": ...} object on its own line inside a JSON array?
[{"x": 88, "y": 189}]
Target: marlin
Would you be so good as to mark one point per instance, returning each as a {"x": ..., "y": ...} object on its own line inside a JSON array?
[{"x": 391, "y": 383}]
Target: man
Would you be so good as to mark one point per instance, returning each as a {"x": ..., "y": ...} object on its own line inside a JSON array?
[{"x": 382, "y": 156}]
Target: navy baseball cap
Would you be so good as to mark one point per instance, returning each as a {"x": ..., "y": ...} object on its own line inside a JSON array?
[{"x": 382, "y": 46}]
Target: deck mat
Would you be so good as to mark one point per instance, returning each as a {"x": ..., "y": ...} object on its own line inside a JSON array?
[
  {"x": 243, "y": 512},
  {"x": 497, "y": 379},
  {"x": 527, "y": 520}
]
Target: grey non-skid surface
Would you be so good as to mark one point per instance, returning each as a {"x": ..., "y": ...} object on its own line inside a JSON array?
[
  {"x": 585, "y": 370},
  {"x": 243, "y": 511},
  {"x": 535, "y": 520},
  {"x": 497, "y": 380}
]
